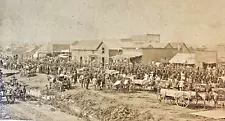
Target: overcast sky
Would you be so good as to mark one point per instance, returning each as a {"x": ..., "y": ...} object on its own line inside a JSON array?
[{"x": 192, "y": 21}]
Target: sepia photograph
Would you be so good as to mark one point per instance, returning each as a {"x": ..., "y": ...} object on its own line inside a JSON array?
[{"x": 112, "y": 60}]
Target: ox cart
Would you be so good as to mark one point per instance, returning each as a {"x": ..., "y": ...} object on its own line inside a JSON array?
[{"x": 181, "y": 98}]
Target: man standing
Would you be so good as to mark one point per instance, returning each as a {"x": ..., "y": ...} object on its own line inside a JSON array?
[
  {"x": 74, "y": 77},
  {"x": 1, "y": 81}
]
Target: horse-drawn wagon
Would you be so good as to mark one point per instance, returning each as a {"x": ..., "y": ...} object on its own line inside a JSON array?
[
  {"x": 181, "y": 98},
  {"x": 61, "y": 82},
  {"x": 202, "y": 92}
]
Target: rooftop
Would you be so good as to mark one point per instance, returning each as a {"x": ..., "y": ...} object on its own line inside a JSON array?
[
  {"x": 113, "y": 44},
  {"x": 87, "y": 45},
  {"x": 159, "y": 45}
]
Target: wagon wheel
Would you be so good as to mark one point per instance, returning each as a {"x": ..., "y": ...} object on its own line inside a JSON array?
[
  {"x": 182, "y": 101},
  {"x": 10, "y": 99}
]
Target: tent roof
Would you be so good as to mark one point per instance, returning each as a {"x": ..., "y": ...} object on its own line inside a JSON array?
[
  {"x": 46, "y": 48},
  {"x": 183, "y": 58}
]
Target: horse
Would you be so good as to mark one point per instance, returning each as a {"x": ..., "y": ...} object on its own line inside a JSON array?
[
  {"x": 118, "y": 85},
  {"x": 207, "y": 97},
  {"x": 126, "y": 84},
  {"x": 94, "y": 82},
  {"x": 123, "y": 85},
  {"x": 109, "y": 83}
]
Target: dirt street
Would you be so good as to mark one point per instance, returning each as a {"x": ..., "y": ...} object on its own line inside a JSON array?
[
  {"x": 38, "y": 112},
  {"x": 80, "y": 104},
  {"x": 33, "y": 110}
]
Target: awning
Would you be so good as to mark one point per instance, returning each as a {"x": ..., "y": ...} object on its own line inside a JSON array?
[
  {"x": 66, "y": 51},
  {"x": 63, "y": 56}
]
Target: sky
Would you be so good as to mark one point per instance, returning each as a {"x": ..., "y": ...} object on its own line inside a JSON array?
[{"x": 39, "y": 21}]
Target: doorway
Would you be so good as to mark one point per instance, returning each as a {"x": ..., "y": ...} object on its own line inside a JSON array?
[{"x": 103, "y": 61}]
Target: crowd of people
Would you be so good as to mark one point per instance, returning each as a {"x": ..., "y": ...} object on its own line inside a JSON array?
[{"x": 176, "y": 76}]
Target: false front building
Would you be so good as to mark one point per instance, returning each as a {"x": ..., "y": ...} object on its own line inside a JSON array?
[{"x": 87, "y": 51}]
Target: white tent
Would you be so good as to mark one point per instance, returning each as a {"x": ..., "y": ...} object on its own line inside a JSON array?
[
  {"x": 183, "y": 58},
  {"x": 43, "y": 50}
]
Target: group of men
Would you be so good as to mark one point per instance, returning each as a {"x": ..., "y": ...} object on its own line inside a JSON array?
[{"x": 175, "y": 75}]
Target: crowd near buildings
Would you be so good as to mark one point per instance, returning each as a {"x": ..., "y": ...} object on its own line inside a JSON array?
[{"x": 144, "y": 49}]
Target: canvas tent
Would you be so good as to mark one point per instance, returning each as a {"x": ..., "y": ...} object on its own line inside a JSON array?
[
  {"x": 43, "y": 50},
  {"x": 183, "y": 58}
]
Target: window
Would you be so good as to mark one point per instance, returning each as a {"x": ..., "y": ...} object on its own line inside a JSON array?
[
  {"x": 103, "y": 61},
  {"x": 103, "y": 50}
]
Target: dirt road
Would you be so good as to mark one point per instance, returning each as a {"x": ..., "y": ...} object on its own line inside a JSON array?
[
  {"x": 33, "y": 110},
  {"x": 38, "y": 112}
]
